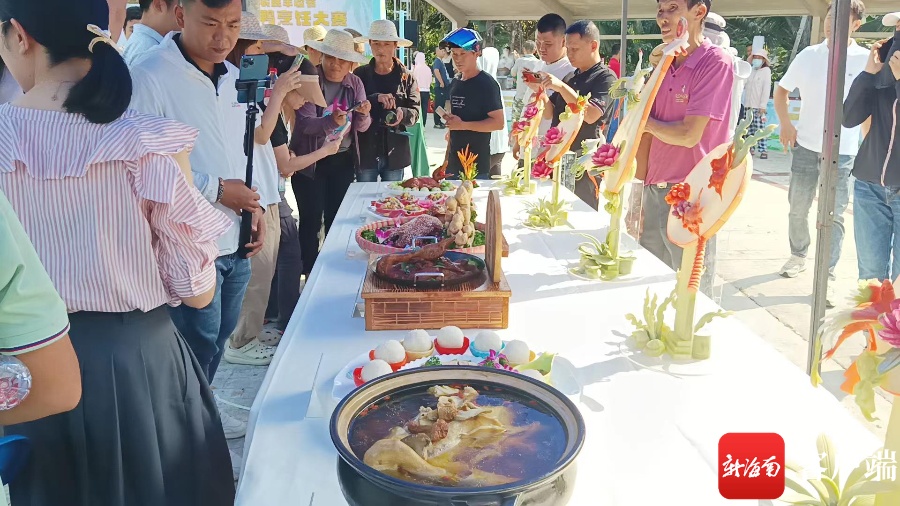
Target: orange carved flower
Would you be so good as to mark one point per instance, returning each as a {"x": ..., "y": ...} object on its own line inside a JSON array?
[{"x": 720, "y": 168}]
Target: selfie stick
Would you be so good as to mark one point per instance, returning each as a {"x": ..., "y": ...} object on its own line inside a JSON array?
[{"x": 248, "y": 87}]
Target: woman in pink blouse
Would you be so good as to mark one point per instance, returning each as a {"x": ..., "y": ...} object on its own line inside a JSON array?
[{"x": 103, "y": 196}]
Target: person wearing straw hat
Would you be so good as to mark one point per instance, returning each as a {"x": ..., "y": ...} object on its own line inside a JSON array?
[
  {"x": 321, "y": 187},
  {"x": 756, "y": 97},
  {"x": 394, "y": 94},
  {"x": 315, "y": 34},
  {"x": 244, "y": 346}
]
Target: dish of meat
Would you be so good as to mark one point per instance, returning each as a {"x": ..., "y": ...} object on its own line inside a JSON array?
[
  {"x": 431, "y": 266},
  {"x": 406, "y": 205}
]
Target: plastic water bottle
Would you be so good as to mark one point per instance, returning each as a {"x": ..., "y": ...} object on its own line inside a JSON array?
[{"x": 15, "y": 382}]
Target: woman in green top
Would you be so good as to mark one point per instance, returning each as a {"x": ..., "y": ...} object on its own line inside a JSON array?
[{"x": 34, "y": 327}]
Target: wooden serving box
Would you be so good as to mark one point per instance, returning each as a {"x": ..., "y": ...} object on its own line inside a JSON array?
[{"x": 470, "y": 305}]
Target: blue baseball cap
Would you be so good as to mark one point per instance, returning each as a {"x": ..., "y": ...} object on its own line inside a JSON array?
[{"x": 463, "y": 38}]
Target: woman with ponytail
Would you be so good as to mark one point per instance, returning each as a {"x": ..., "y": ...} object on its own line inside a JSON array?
[{"x": 103, "y": 195}]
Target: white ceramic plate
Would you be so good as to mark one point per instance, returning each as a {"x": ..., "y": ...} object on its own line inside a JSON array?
[{"x": 388, "y": 191}]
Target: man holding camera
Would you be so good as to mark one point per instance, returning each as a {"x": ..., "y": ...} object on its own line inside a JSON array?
[
  {"x": 187, "y": 79},
  {"x": 394, "y": 94}
]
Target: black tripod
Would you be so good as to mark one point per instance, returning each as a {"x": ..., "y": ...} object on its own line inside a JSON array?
[{"x": 247, "y": 88}]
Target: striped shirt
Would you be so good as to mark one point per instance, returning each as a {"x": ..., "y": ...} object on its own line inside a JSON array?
[{"x": 109, "y": 211}]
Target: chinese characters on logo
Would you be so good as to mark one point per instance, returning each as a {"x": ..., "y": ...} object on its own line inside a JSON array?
[
  {"x": 751, "y": 466},
  {"x": 298, "y": 13},
  {"x": 882, "y": 466}
]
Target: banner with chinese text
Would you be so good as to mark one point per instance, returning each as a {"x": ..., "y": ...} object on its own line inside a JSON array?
[{"x": 298, "y": 15}]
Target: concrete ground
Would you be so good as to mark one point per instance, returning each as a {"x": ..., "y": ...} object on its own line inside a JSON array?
[{"x": 752, "y": 247}]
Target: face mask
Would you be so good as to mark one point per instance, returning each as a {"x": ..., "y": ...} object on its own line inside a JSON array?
[{"x": 757, "y": 64}]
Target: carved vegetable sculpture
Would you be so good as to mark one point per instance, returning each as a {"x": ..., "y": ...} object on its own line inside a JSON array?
[
  {"x": 459, "y": 219},
  {"x": 700, "y": 206}
]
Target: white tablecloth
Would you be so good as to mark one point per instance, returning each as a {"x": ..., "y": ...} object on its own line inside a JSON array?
[{"x": 651, "y": 437}]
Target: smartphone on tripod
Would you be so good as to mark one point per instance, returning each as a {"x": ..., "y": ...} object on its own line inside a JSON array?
[
  {"x": 254, "y": 68},
  {"x": 251, "y": 90}
]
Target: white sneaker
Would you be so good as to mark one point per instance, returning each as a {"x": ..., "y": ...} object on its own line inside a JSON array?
[
  {"x": 236, "y": 461},
  {"x": 233, "y": 427},
  {"x": 830, "y": 300},
  {"x": 793, "y": 267},
  {"x": 252, "y": 353}
]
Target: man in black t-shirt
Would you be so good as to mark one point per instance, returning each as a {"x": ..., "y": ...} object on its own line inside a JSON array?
[
  {"x": 476, "y": 108},
  {"x": 590, "y": 76}
]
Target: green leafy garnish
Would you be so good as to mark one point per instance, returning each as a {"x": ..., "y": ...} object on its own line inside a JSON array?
[
  {"x": 431, "y": 362},
  {"x": 478, "y": 239},
  {"x": 369, "y": 235}
]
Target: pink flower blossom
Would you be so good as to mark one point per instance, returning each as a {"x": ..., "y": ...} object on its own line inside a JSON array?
[
  {"x": 554, "y": 136},
  {"x": 605, "y": 156},
  {"x": 530, "y": 111},
  {"x": 891, "y": 323},
  {"x": 541, "y": 169}
]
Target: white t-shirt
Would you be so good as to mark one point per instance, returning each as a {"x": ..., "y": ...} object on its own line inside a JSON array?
[
  {"x": 9, "y": 88},
  {"x": 559, "y": 69},
  {"x": 807, "y": 74},
  {"x": 527, "y": 62},
  {"x": 141, "y": 41}
]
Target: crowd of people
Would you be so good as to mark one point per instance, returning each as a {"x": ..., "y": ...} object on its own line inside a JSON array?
[{"x": 125, "y": 281}]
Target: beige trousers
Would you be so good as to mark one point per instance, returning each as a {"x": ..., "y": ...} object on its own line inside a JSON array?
[{"x": 262, "y": 269}]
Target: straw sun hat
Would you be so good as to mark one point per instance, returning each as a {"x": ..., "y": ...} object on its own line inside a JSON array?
[
  {"x": 316, "y": 33},
  {"x": 762, "y": 53},
  {"x": 251, "y": 28},
  {"x": 279, "y": 34},
  {"x": 385, "y": 30},
  {"x": 339, "y": 44}
]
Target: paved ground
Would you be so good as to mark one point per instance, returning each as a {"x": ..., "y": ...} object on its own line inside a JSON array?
[{"x": 752, "y": 248}]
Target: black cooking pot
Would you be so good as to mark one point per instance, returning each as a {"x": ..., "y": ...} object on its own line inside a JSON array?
[{"x": 364, "y": 486}]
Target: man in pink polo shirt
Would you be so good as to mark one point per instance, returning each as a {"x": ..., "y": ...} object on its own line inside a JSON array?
[{"x": 689, "y": 118}]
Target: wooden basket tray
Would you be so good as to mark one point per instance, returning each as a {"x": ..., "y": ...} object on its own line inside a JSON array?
[{"x": 470, "y": 305}]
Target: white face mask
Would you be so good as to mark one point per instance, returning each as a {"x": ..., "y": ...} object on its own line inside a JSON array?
[{"x": 757, "y": 64}]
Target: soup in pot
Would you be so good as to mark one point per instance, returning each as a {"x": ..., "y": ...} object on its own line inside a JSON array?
[{"x": 458, "y": 436}]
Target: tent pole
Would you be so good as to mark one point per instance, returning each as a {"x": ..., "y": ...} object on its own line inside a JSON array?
[
  {"x": 622, "y": 66},
  {"x": 831, "y": 143}
]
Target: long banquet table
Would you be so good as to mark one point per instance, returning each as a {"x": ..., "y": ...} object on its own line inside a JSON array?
[{"x": 651, "y": 436}]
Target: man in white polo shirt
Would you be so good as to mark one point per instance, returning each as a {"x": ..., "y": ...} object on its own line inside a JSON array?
[
  {"x": 157, "y": 21},
  {"x": 806, "y": 74}
]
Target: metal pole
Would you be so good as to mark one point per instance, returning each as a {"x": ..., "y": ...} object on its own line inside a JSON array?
[
  {"x": 831, "y": 143},
  {"x": 402, "y": 27},
  {"x": 624, "y": 40}
]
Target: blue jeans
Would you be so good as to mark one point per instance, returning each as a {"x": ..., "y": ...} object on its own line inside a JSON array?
[
  {"x": 207, "y": 330},
  {"x": 370, "y": 174},
  {"x": 803, "y": 186},
  {"x": 876, "y": 227}
]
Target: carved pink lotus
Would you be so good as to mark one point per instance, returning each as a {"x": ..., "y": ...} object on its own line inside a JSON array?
[
  {"x": 891, "y": 323},
  {"x": 605, "y": 156},
  {"x": 554, "y": 136},
  {"x": 541, "y": 169},
  {"x": 530, "y": 111}
]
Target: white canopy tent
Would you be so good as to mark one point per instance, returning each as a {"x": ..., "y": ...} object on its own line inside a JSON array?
[{"x": 461, "y": 12}]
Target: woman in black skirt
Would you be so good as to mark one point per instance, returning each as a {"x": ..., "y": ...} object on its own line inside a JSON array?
[{"x": 103, "y": 196}]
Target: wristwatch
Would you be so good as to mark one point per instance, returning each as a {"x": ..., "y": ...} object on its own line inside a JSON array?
[{"x": 221, "y": 191}]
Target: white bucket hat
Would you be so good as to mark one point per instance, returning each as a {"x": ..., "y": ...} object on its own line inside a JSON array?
[
  {"x": 891, "y": 19},
  {"x": 339, "y": 44},
  {"x": 761, "y": 53},
  {"x": 316, "y": 33},
  {"x": 251, "y": 28},
  {"x": 385, "y": 30}
]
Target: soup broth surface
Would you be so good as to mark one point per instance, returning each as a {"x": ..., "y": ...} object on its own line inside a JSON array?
[{"x": 532, "y": 442}]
